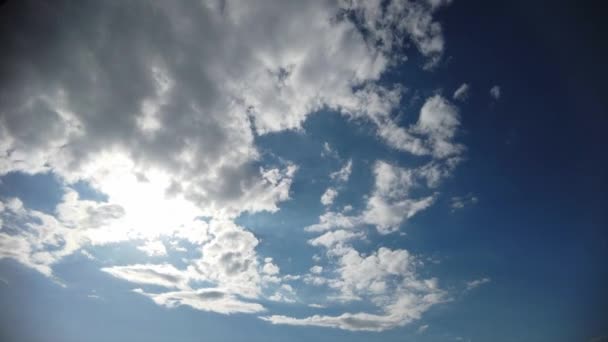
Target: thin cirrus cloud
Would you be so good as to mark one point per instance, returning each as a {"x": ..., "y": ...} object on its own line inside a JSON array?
[{"x": 135, "y": 106}]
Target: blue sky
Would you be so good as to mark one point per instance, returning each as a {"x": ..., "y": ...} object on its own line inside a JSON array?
[{"x": 287, "y": 171}]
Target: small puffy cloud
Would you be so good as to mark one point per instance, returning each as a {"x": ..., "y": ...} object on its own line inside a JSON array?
[
  {"x": 328, "y": 196},
  {"x": 462, "y": 93},
  {"x": 421, "y": 329},
  {"x": 316, "y": 269},
  {"x": 495, "y": 92},
  {"x": 270, "y": 268},
  {"x": 284, "y": 293},
  {"x": 439, "y": 120},
  {"x": 229, "y": 260}
]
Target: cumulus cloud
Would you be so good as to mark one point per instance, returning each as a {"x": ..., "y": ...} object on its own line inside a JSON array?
[
  {"x": 433, "y": 134},
  {"x": 39, "y": 240},
  {"x": 405, "y": 303},
  {"x": 333, "y": 238},
  {"x": 328, "y": 196},
  {"x": 390, "y": 203}
]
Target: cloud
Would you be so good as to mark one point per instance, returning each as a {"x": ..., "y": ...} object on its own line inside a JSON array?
[
  {"x": 337, "y": 237},
  {"x": 390, "y": 204},
  {"x": 157, "y": 130},
  {"x": 473, "y": 284},
  {"x": 170, "y": 124},
  {"x": 391, "y": 201},
  {"x": 153, "y": 248},
  {"x": 228, "y": 260},
  {"x": 462, "y": 93},
  {"x": 331, "y": 220},
  {"x": 328, "y": 151},
  {"x": 495, "y": 92},
  {"x": 411, "y": 19},
  {"x": 211, "y": 299},
  {"x": 39, "y": 240},
  {"x": 343, "y": 174},
  {"x": 421, "y": 329},
  {"x": 407, "y": 307},
  {"x": 164, "y": 275},
  {"x": 316, "y": 269},
  {"x": 328, "y": 196},
  {"x": 433, "y": 134},
  {"x": 459, "y": 202},
  {"x": 439, "y": 120}
]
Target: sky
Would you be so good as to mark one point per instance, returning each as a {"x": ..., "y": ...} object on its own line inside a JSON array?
[{"x": 393, "y": 170}]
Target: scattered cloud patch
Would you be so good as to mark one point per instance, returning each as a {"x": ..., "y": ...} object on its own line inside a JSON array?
[
  {"x": 495, "y": 92},
  {"x": 343, "y": 174},
  {"x": 421, "y": 329},
  {"x": 459, "y": 202},
  {"x": 329, "y": 196},
  {"x": 473, "y": 284},
  {"x": 462, "y": 93}
]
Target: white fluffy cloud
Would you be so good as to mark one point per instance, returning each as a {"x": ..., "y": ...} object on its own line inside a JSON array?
[
  {"x": 332, "y": 220},
  {"x": 388, "y": 279},
  {"x": 433, "y": 134},
  {"x": 39, "y": 240},
  {"x": 390, "y": 203},
  {"x": 328, "y": 196}
]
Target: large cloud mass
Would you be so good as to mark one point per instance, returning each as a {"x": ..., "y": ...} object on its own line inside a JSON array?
[{"x": 158, "y": 106}]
